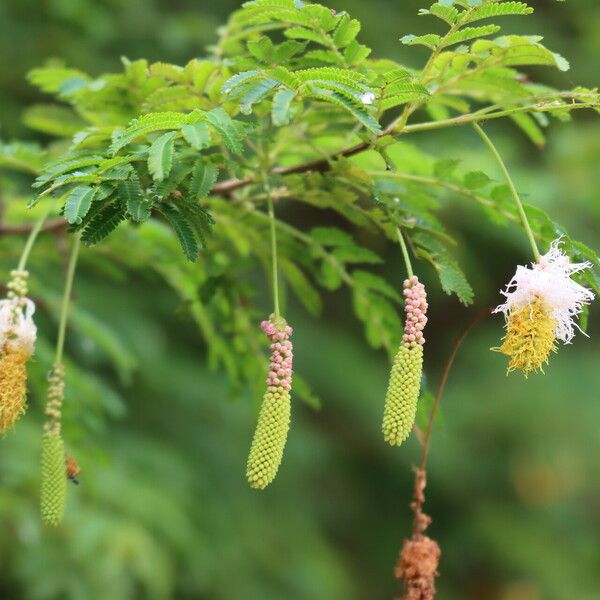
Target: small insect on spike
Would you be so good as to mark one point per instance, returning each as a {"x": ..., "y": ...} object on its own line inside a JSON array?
[
  {"x": 73, "y": 469},
  {"x": 405, "y": 378},
  {"x": 266, "y": 451},
  {"x": 53, "y": 496}
]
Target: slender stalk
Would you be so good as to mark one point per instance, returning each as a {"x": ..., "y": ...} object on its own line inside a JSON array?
[
  {"x": 33, "y": 236},
  {"x": 513, "y": 189},
  {"x": 274, "y": 270},
  {"x": 62, "y": 327},
  {"x": 442, "y": 384},
  {"x": 405, "y": 255}
]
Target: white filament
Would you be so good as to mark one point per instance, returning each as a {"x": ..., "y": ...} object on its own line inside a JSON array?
[{"x": 550, "y": 281}]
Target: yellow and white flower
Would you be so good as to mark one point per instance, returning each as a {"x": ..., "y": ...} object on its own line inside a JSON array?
[
  {"x": 541, "y": 307},
  {"x": 17, "y": 339}
]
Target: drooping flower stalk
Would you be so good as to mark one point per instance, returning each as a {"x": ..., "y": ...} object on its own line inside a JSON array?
[
  {"x": 542, "y": 303},
  {"x": 53, "y": 488},
  {"x": 405, "y": 378},
  {"x": 268, "y": 443},
  {"x": 266, "y": 451}
]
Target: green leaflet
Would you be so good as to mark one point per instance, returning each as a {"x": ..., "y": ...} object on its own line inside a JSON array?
[
  {"x": 132, "y": 196},
  {"x": 282, "y": 103},
  {"x": 204, "y": 176},
  {"x": 223, "y": 123},
  {"x": 78, "y": 203},
  {"x": 160, "y": 156},
  {"x": 182, "y": 229},
  {"x": 103, "y": 223},
  {"x": 196, "y": 135}
]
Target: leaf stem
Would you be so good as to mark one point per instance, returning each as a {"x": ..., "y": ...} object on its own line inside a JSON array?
[
  {"x": 62, "y": 327},
  {"x": 405, "y": 255},
  {"x": 513, "y": 189},
  {"x": 33, "y": 236}
]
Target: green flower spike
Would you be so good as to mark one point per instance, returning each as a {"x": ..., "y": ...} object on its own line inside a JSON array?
[
  {"x": 271, "y": 432},
  {"x": 405, "y": 378}
]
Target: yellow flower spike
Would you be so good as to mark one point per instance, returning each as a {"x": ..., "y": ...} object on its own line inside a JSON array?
[
  {"x": 530, "y": 338},
  {"x": 542, "y": 305},
  {"x": 13, "y": 384}
]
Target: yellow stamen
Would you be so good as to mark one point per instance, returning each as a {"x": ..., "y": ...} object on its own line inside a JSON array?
[
  {"x": 529, "y": 338},
  {"x": 13, "y": 384}
]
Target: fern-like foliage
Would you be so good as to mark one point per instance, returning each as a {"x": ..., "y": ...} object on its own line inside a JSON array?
[{"x": 289, "y": 95}]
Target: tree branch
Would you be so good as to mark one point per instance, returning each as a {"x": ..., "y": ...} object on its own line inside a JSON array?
[
  {"x": 53, "y": 225},
  {"x": 537, "y": 103}
]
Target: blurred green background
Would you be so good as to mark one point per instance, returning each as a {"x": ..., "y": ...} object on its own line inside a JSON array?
[{"x": 163, "y": 509}]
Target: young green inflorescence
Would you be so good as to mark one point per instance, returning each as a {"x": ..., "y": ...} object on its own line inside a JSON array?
[
  {"x": 53, "y": 491},
  {"x": 271, "y": 432},
  {"x": 17, "y": 339},
  {"x": 405, "y": 378}
]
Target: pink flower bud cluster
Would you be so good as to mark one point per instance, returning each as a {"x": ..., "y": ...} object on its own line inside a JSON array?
[
  {"x": 416, "y": 309},
  {"x": 280, "y": 370}
]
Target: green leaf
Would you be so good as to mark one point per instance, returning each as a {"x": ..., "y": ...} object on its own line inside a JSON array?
[
  {"x": 103, "y": 223},
  {"x": 224, "y": 125},
  {"x": 182, "y": 229},
  {"x": 152, "y": 123},
  {"x": 78, "y": 203},
  {"x": 53, "y": 119},
  {"x": 453, "y": 280},
  {"x": 469, "y": 33},
  {"x": 303, "y": 290},
  {"x": 196, "y": 135},
  {"x": 282, "y": 102},
  {"x": 346, "y": 31},
  {"x": 476, "y": 180},
  {"x": 356, "y": 254},
  {"x": 498, "y": 9},
  {"x": 204, "y": 176},
  {"x": 430, "y": 40},
  {"x": 132, "y": 196},
  {"x": 255, "y": 93},
  {"x": 160, "y": 156},
  {"x": 262, "y": 49},
  {"x": 374, "y": 282},
  {"x": 331, "y": 236}
]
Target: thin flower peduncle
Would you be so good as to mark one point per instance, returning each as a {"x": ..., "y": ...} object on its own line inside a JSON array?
[
  {"x": 33, "y": 236},
  {"x": 273, "y": 233},
  {"x": 513, "y": 189},
  {"x": 405, "y": 255},
  {"x": 62, "y": 327}
]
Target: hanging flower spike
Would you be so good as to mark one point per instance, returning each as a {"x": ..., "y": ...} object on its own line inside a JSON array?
[
  {"x": 542, "y": 303},
  {"x": 405, "y": 378},
  {"x": 53, "y": 490},
  {"x": 273, "y": 424},
  {"x": 17, "y": 339}
]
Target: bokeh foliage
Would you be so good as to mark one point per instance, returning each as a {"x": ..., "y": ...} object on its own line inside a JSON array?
[{"x": 163, "y": 510}]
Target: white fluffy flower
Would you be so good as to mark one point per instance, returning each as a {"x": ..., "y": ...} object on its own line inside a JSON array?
[
  {"x": 368, "y": 98},
  {"x": 17, "y": 329},
  {"x": 550, "y": 281}
]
